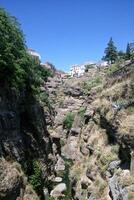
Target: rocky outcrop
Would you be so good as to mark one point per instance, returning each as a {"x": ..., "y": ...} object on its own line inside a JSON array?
[
  {"x": 13, "y": 182},
  {"x": 58, "y": 190},
  {"x": 116, "y": 191},
  {"x": 23, "y": 138},
  {"x": 74, "y": 91}
]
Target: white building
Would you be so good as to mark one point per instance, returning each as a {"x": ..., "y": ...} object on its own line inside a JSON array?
[
  {"x": 77, "y": 70},
  {"x": 102, "y": 63}
]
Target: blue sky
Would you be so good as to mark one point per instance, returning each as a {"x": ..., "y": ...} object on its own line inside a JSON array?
[{"x": 67, "y": 32}]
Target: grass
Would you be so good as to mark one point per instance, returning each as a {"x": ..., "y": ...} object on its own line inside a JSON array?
[
  {"x": 113, "y": 68},
  {"x": 127, "y": 125},
  {"x": 131, "y": 196},
  {"x": 81, "y": 112},
  {"x": 100, "y": 185},
  {"x": 92, "y": 83},
  {"x": 105, "y": 159},
  {"x": 130, "y": 110},
  {"x": 126, "y": 181}
]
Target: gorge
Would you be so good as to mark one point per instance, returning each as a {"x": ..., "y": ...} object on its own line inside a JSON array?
[{"x": 63, "y": 138}]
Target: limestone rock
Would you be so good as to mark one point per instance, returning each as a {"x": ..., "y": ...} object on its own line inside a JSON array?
[
  {"x": 30, "y": 194},
  {"x": 113, "y": 165},
  {"x": 57, "y": 179},
  {"x": 116, "y": 191},
  {"x": 58, "y": 190},
  {"x": 73, "y": 91},
  {"x": 60, "y": 165},
  {"x": 11, "y": 181},
  {"x": 84, "y": 150},
  {"x": 75, "y": 131},
  {"x": 85, "y": 182}
]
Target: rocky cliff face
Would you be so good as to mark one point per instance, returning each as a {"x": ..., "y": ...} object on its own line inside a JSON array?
[{"x": 23, "y": 138}]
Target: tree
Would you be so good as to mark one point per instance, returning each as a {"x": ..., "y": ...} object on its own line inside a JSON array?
[
  {"x": 132, "y": 49},
  {"x": 12, "y": 50},
  {"x": 128, "y": 52},
  {"x": 17, "y": 68},
  {"x": 121, "y": 55},
  {"x": 110, "y": 52}
]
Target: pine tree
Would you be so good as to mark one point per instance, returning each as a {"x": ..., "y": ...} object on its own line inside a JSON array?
[
  {"x": 128, "y": 52},
  {"x": 110, "y": 52}
]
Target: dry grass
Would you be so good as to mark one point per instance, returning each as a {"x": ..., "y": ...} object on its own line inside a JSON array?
[
  {"x": 127, "y": 125},
  {"x": 116, "y": 90},
  {"x": 107, "y": 156},
  {"x": 126, "y": 181}
]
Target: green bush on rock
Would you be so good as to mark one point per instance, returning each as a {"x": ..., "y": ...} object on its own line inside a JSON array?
[{"x": 68, "y": 120}]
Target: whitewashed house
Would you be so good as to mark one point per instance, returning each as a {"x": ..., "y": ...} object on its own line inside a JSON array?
[
  {"x": 77, "y": 70},
  {"x": 102, "y": 63}
]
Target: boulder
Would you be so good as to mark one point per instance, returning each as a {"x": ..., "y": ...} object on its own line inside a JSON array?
[
  {"x": 57, "y": 179},
  {"x": 113, "y": 165},
  {"x": 84, "y": 150},
  {"x": 75, "y": 131},
  {"x": 58, "y": 190},
  {"x": 89, "y": 112},
  {"x": 11, "y": 181},
  {"x": 73, "y": 91},
  {"x": 72, "y": 147},
  {"x": 91, "y": 174},
  {"x": 116, "y": 191},
  {"x": 30, "y": 194},
  {"x": 85, "y": 182},
  {"x": 60, "y": 165}
]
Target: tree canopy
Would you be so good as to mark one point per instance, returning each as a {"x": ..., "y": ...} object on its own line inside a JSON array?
[
  {"x": 128, "y": 51},
  {"x": 110, "y": 52},
  {"x": 17, "y": 68}
]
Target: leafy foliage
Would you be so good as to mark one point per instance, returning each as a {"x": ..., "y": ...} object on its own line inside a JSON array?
[
  {"x": 33, "y": 171},
  {"x": 17, "y": 68},
  {"x": 68, "y": 120},
  {"x": 35, "y": 178},
  {"x": 13, "y": 59}
]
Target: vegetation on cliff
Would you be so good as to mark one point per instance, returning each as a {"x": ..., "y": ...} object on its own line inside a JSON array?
[{"x": 17, "y": 68}]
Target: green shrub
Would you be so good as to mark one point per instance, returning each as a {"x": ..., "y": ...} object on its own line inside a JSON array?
[
  {"x": 68, "y": 120},
  {"x": 33, "y": 172},
  {"x": 92, "y": 83},
  {"x": 81, "y": 112},
  {"x": 50, "y": 198},
  {"x": 35, "y": 179},
  {"x": 113, "y": 68},
  {"x": 18, "y": 69},
  {"x": 105, "y": 160}
]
